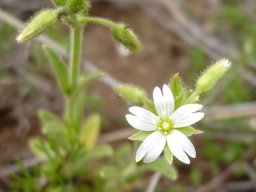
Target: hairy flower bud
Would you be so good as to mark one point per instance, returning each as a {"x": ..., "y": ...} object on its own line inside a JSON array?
[
  {"x": 39, "y": 23},
  {"x": 211, "y": 75},
  {"x": 126, "y": 37},
  {"x": 131, "y": 93}
]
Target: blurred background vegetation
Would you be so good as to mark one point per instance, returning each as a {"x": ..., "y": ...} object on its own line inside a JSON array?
[{"x": 177, "y": 36}]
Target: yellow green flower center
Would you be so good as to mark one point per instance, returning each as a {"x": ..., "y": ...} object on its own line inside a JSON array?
[{"x": 165, "y": 125}]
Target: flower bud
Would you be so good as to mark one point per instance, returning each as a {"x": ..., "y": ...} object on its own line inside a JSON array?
[
  {"x": 131, "y": 93},
  {"x": 42, "y": 21},
  {"x": 126, "y": 37},
  {"x": 211, "y": 75}
]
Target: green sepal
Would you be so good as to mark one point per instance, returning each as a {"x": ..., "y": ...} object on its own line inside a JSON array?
[
  {"x": 89, "y": 131},
  {"x": 140, "y": 135},
  {"x": 131, "y": 94},
  {"x": 193, "y": 97},
  {"x": 150, "y": 106},
  {"x": 59, "y": 68},
  {"x": 178, "y": 90},
  {"x": 168, "y": 155},
  {"x": 188, "y": 131},
  {"x": 162, "y": 166}
]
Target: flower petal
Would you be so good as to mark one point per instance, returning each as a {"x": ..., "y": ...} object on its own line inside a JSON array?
[
  {"x": 154, "y": 153},
  {"x": 142, "y": 113},
  {"x": 176, "y": 148},
  {"x": 185, "y": 143},
  {"x": 140, "y": 124},
  {"x": 188, "y": 119},
  {"x": 186, "y": 109},
  {"x": 164, "y": 103},
  {"x": 158, "y": 98},
  {"x": 169, "y": 99},
  {"x": 147, "y": 145}
]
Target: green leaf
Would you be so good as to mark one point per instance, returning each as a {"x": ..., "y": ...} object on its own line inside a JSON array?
[
  {"x": 168, "y": 155},
  {"x": 131, "y": 93},
  {"x": 162, "y": 166},
  {"x": 89, "y": 131},
  {"x": 140, "y": 135},
  {"x": 58, "y": 67},
  {"x": 47, "y": 117},
  {"x": 109, "y": 172},
  {"x": 188, "y": 131},
  {"x": 40, "y": 148},
  {"x": 87, "y": 80},
  {"x": 77, "y": 108},
  {"x": 97, "y": 152},
  {"x": 51, "y": 124},
  {"x": 123, "y": 153},
  {"x": 53, "y": 128}
]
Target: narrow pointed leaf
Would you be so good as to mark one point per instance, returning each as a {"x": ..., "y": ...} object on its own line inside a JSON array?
[
  {"x": 59, "y": 68},
  {"x": 86, "y": 80},
  {"x": 90, "y": 131}
]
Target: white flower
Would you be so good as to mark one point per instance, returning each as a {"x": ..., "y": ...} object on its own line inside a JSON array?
[{"x": 165, "y": 127}]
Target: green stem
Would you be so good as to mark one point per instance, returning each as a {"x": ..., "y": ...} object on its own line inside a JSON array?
[
  {"x": 75, "y": 55},
  {"x": 75, "y": 60},
  {"x": 97, "y": 20}
]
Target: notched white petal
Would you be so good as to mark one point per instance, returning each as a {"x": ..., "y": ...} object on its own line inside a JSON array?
[
  {"x": 158, "y": 101},
  {"x": 143, "y": 113},
  {"x": 140, "y": 124},
  {"x": 168, "y": 100},
  {"x": 185, "y": 143},
  {"x": 188, "y": 119},
  {"x": 154, "y": 153},
  {"x": 147, "y": 145},
  {"x": 186, "y": 109},
  {"x": 176, "y": 149}
]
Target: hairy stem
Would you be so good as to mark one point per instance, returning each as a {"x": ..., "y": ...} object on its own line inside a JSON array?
[
  {"x": 75, "y": 55},
  {"x": 97, "y": 20}
]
